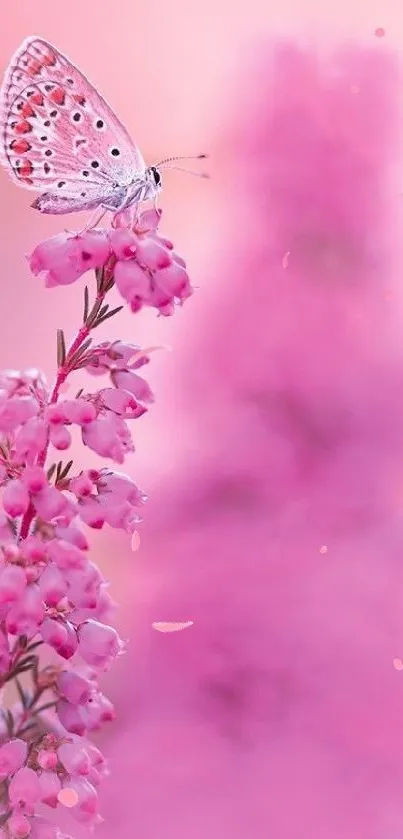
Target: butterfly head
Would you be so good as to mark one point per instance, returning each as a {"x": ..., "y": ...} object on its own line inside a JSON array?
[{"x": 153, "y": 177}]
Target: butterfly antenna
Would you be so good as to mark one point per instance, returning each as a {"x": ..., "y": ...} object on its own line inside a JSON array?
[
  {"x": 188, "y": 171},
  {"x": 186, "y": 157}
]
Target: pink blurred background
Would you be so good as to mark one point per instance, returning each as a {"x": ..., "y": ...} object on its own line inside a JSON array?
[{"x": 273, "y": 455}]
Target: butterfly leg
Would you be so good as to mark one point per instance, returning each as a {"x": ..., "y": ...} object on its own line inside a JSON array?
[{"x": 93, "y": 222}]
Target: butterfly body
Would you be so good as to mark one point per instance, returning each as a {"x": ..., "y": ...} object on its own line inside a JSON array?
[{"x": 59, "y": 136}]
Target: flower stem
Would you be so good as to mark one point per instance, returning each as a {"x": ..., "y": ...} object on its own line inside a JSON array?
[{"x": 63, "y": 372}]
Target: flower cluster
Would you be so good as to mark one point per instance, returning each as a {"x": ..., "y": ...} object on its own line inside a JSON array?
[
  {"x": 147, "y": 271},
  {"x": 51, "y": 595}
]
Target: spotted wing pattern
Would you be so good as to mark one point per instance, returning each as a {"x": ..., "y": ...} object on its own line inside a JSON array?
[{"x": 59, "y": 135}]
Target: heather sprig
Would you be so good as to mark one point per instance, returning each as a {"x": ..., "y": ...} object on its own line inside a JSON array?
[{"x": 52, "y": 596}]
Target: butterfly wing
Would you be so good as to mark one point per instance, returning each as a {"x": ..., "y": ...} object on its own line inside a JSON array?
[{"x": 58, "y": 134}]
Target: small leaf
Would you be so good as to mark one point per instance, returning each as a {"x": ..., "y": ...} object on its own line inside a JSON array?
[
  {"x": 61, "y": 348},
  {"x": 27, "y": 728},
  {"x": 93, "y": 313},
  {"x": 58, "y": 470},
  {"x": 99, "y": 273},
  {"x": 21, "y": 692},
  {"x": 77, "y": 355},
  {"x": 9, "y": 720},
  {"x": 35, "y": 666},
  {"x": 34, "y": 645},
  {"x": 66, "y": 470},
  {"x": 108, "y": 315},
  {"x": 51, "y": 471},
  {"x": 26, "y": 662},
  {"x": 44, "y": 707},
  {"x": 86, "y": 304},
  {"x": 79, "y": 393}
]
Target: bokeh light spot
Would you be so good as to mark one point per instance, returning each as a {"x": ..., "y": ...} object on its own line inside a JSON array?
[
  {"x": 171, "y": 626},
  {"x": 68, "y": 797}
]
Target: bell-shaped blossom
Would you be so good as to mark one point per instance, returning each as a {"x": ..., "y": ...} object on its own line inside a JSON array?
[
  {"x": 26, "y": 615},
  {"x": 98, "y": 643},
  {"x": 13, "y": 581},
  {"x": 12, "y": 756},
  {"x": 64, "y": 258},
  {"x": 15, "y": 498},
  {"x": 50, "y": 787},
  {"x": 74, "y": 687},
  {"x": 24, "y": 789}
]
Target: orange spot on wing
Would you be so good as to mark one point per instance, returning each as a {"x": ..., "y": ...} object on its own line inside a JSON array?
[
  {"x": 58, "y": 96},
  {"x": 34, "y": 67},
  {"x": 20, "y": 146},
  {"x": 25, "y": 169},
  {"x": 37, "y": 98},
  {"x": 27, "y": 110},
  {"x": 23, "y": 127},
  {"x": 48, "y": 59}
]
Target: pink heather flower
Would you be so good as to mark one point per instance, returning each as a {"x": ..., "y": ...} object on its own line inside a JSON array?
[
  {"x": 15, "y": 498},
  {"x": 66, "y": 555},
  {"x": 47, "y": 759},
  {"x": 53, "y": 585},
  {"x": 79, "y": 411},
  {"x": 82, "y": 485},
  {"x": 127, "y": 380},
  {"x": 50, "y": 787},
  {"x": 43, "y": 829},
  {"x": 108, "y": 436},
  {"x": 34, "y": 478},
  {"x": 62, "y": 259},
  {"x": 115, "y": 355},
  {"x": 73, "y": 535},
  {"x": 18, "y": 826},
  {"x": 24, "y": 790},
  {"x": 27, "y": 614},
  {"x": 13, "y": 581},
  {"x": 98, "y": 643},
  {"x": 73, "y": 687},
  {"x": 118, "y": 514},
  {"x": 120, "y": 487},
  {"x": 60, "y": 635},
  {"x": 86, "y": 809},
  {"x": 15, "y": 411},
  {"x": 99, "y": 710},
  {"x": 50, "y": 503},
  {"x": 121, "y": 402},
  {"x": 147, "y": 271},
  {"x": 30, "y": 440},
  {"x": 91, "y": 513},
  {"x": 84, "y": 586},
  {"x": 74, "y": 758},
  {"x": 60, "y": 437},
  {"x": 72, "y": 717},
  {"x": 12, "y": 757},
  {"x": 33, "y": 549}
]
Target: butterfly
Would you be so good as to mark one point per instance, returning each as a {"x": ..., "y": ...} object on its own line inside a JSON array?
[{"x": 59, "y": 135}]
